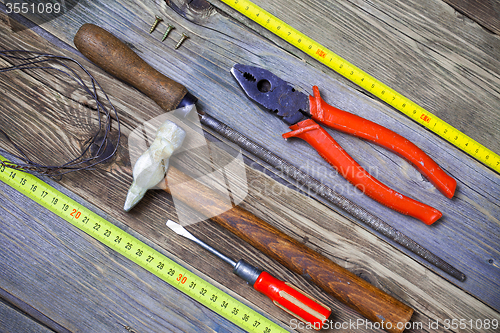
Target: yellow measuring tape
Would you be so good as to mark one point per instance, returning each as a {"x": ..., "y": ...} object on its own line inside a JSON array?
[
  {"x": 140, "y": 253},
  {"x": 367, "y": 82}
]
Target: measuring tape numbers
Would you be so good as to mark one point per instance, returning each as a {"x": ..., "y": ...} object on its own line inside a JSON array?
[
  {"x": 137, "y": 251},
  {"x": 367, "y": 82}
]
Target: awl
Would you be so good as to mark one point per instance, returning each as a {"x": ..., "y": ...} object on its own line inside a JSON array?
[{"x": 283, "y": 294}]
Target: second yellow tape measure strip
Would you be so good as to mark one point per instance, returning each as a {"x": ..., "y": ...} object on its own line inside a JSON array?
[
  {"x": 137, "y": 251},
  {"x": 367, "y": 82}
]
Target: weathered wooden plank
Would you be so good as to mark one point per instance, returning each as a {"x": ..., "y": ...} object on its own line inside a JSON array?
[
  {"x": 423, "y": 50},
  {"x": 85, "y": 286},
  {"x": 485, "y": 12},
  {"x": 114, "y": 195},
  {"x": 29, "y": 312},
  {"x": 99, "y": 272},
  {"x": 434, "y": 49},
  {"x": 11, "y": 320},
  {"x": 211, "y": 57},
  {"x": 375, "y": 260}
]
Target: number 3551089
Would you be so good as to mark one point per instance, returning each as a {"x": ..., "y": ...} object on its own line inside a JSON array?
[{"x": 33, "y": 8}]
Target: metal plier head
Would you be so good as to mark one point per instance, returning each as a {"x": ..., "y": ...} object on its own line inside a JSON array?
[{"x": 272, "y": 93}]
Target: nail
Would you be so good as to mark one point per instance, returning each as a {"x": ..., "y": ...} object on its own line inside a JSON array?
[
  {"x": 155, "y": 24},
  {"x": 169, "y": 28},
  {"x": 183, "y": 38}
]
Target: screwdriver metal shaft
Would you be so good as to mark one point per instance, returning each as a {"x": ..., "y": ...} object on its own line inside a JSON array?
[{"x": 283, "y": 294}]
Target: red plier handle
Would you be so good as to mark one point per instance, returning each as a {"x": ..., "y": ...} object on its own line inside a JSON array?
[{"x": 333, "y": 153}]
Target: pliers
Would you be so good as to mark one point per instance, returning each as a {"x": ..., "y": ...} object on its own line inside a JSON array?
[{"x": 303, "y": 113}]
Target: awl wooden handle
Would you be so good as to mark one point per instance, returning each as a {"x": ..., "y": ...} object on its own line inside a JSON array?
[
  {"x": 347, "y": 287},
  {"x": 116, "y": 58}
]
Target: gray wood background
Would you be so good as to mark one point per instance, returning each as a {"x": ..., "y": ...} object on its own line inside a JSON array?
[{"x": 427, "y": 51}]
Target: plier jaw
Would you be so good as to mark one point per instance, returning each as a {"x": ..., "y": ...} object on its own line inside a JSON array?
[
  {"x": 304, "y": 113},
  {"x": 272, "y": 93}
]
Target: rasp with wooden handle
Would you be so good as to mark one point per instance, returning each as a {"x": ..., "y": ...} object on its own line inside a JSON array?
[{"x": 116, "y": 58}]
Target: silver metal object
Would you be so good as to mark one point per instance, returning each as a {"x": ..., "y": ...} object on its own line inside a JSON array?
[
  {"x": 180, "y": 230},
  {"x": 183, "y": 38},
  {"x": 330, "y": 195},
  {"x": 169, "y": 28},
  {"x": 155, "y": 24}
]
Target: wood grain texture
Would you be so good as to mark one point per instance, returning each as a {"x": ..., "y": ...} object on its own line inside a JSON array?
[
  {"x": 446, "y": 64},
  {"x": 468, "y": 235},
  {"x": 11, "y": 320},
  {"x": 30, "y": 314},
  {"x": 476, "y": 183},
  {"x": 358, "y": 294},
  {"x": 83, "y": 285},
  {"x": 403, "y": 58}
]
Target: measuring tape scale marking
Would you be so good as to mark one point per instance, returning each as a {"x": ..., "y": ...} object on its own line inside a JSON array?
[
  {"x": 367, "y": 82},
  {"x": 138, "y": 252}
]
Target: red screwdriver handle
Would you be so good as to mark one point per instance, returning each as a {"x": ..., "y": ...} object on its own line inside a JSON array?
[
  {"x": 293, "y": 300},
  {"x": 334, "y": 154},
  {"x": 349, "y": 123}
]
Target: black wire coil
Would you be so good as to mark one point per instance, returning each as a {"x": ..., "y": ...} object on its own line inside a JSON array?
[{"x": 94, "y": 150}]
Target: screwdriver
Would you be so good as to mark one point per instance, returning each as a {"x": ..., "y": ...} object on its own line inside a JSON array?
[{"x": 283, "y": 294}]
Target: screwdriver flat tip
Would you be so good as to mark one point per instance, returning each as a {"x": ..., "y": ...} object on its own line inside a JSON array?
[{"x": 179, "y": 229}]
